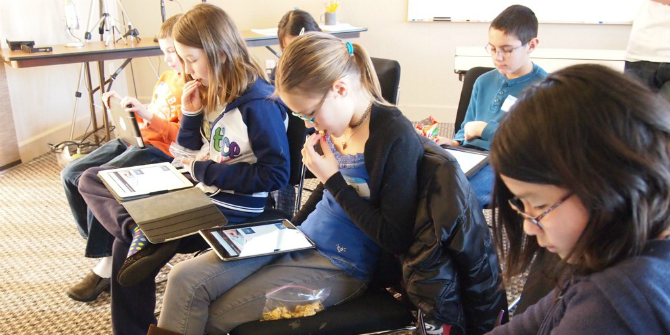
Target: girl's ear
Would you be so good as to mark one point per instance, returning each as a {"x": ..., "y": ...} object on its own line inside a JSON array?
[
  {"x": 223, "y": 58},
  {"x": 340, "y": 88}
]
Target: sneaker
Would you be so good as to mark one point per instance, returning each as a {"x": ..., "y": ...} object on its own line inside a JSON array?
[
  {"x": 89, "y": 288},
  {"x": 141, "y": 264},
  {"x": 432, "y": 329}
]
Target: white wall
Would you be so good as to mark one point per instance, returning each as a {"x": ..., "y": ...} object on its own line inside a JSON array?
[
  {"x": 42, "y": 98},
  {"x": 424, "y": 50}
]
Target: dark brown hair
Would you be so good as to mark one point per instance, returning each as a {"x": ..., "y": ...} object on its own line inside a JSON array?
[
  {"x": 601, "y": 135},
  {"x": 517, "y": 20},
  {"x": 293, "y": 22}
]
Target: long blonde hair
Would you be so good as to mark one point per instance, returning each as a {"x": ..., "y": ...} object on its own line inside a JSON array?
[
  {"x": 209, "y": 28},
  {"x": 315, "y": 60}
]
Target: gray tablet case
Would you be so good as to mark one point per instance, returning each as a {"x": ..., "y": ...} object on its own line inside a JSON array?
[{"x": 175, "y": 214}]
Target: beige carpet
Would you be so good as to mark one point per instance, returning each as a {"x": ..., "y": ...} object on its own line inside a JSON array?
[{"x": 41, "y": 255}]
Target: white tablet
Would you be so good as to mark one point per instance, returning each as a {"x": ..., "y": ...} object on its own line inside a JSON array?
[
  {"x": 470, "y": 160},
  {"x": 256, "y": 239},
  {"x": 126, "y": 127},
  {"x": 143, "y": 180}
]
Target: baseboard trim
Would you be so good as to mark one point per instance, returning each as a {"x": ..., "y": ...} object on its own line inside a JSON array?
[
  {"x": 12, "y": 164},
  {"x": 38, "y": 144}
]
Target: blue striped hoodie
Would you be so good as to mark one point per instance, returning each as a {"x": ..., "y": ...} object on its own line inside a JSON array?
[{"x": 248, "y": 150}]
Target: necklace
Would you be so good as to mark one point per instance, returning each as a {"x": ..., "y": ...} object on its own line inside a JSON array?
[{"x": 355, "y": 128}]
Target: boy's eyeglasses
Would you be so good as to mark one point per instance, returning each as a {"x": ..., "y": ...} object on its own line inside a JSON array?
[
  {"x": 517, "y": 205},
  {"x": 505, "y": 52},
  {"x": 316, "y": 110}
]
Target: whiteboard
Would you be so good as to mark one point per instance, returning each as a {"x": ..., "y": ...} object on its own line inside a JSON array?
[{"x": 552, "y": 11}]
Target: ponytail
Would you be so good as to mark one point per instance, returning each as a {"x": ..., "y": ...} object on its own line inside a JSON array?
[
  {"x": 369, "y": 79},
  {"x": 314, "y": 61}
]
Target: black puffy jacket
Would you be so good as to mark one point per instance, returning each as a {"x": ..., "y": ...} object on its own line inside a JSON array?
[{"x": 451, "y": 271}]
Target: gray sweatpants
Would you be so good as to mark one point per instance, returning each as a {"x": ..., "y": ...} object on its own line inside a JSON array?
[{"x": 206, "y": 294}]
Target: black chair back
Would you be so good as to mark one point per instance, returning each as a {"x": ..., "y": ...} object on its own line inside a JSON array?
[
  {"x": 296, "y": 133},
  {"x": 466, "y": 93},
  {"x": 388, "y": 73}
]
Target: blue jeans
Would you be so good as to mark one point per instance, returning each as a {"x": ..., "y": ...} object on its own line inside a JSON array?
[
  {"x": 132, "y": 306},
  {"x": 482, "y": 184},
  {"x": 114, "y": 153},
  {"x": 655, "y": 75}
]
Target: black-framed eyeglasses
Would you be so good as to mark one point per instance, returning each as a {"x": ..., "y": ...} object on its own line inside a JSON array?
[
  {"x": 518, "y": 206},
  {"x": 316, "y": 110},
  {"x": 505, "y": 52}
]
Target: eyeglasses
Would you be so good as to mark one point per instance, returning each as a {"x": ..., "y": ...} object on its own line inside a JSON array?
[
  {"x": 304, "y": 118},
  {"x": 316, "y": 110},
  {"x": 517, "y": 205},
  {"x": 505, "y": 52}
]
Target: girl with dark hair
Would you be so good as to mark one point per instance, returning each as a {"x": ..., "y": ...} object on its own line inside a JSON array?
[
  {"x": 292, "y": 24},
  {"x": 582, "y": 166}
]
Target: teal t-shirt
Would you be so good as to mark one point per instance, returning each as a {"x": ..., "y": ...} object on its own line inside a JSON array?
[{"x": 492, "y": 95}]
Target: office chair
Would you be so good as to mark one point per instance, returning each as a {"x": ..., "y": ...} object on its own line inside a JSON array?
[
  {"x": 296, "y": 133},
  {"x": 468, "y": 82},
  {"x": 388, "y": 73},
  {"x": 540, "y": 281}
]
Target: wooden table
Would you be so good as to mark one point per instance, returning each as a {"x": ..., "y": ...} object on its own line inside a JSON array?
[
  {"x": 99, "y": 52},
  {"x": 91, "y": 52}
]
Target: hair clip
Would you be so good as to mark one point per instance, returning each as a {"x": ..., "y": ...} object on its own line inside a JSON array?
[
  {"x": 350, "y": 48},
  {"x": 302, "y": 31}
]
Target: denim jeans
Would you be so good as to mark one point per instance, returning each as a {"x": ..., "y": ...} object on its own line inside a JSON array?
[
  {"x": 208, "y": 295},
  {"x": 482, "y": 184},
  {"x": 132, "y": 306},
  {"x": 655, "y": 75},
  {"x": 114, "y": 153}
]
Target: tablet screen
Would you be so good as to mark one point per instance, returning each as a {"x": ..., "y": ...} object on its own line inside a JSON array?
[
  {"x": 256, "y": 240},
  {"x": 470, "y": 161}
]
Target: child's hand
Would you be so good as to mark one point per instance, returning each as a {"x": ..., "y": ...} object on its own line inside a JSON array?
[
  {"x": 323, "y": 167},
  {"x": 107, "y": 95},
  {"x": 474, "y": 129},
  {"x": 190, "y": 98},
  {"x": 134, "y": 105},
  {"x": 186, "y": 164},
  {"x": 443, "y": 140}
]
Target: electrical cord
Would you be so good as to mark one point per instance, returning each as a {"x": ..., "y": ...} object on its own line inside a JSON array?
[
  {"x": 81, "y": 146},
  {"x": 180, "y": 9},
  {"x": 69, "y": 30}
]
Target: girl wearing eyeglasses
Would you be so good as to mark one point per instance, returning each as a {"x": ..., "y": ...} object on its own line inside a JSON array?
[
  {"x": 366, "y": 201},
  {"x": 582, "y": 166}
]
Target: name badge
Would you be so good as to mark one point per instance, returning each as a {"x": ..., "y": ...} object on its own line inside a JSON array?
[{"x": 508, "y": 103}]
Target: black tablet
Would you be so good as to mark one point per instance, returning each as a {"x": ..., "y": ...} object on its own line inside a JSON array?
[{"x": 256, "y": 239}]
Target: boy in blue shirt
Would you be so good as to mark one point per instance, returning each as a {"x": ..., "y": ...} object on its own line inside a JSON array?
[{"x": 512, "y": 38}]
